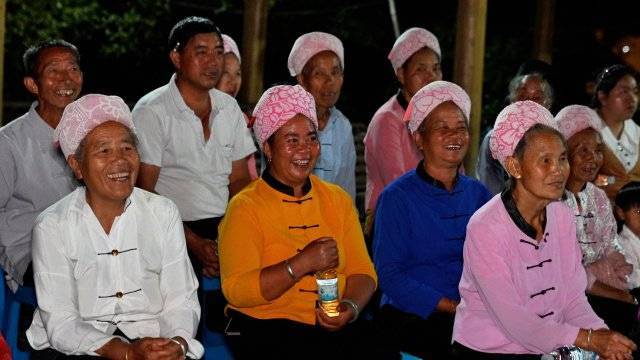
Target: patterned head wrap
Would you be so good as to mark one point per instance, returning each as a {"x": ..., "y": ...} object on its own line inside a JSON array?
[
  {"x": 84, "y": 115},
  {"x": 309, "y": 44},
  {"x": 432, "y": 95},
  {"x": 277, "y": 106},
  {"x": 575, "y": 118},
  {"x": 409, "y": 43}
]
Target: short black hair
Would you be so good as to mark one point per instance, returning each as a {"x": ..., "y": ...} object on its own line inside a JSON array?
[
  {"x": 31, "y": 57},
  {"x": 628, "y": 196},
  {"x": 607, "y": 80},
  {"x": 189, "y": 27}
]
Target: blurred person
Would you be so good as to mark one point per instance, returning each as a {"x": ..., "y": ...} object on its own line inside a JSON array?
[
  {"x": 112, "y": 274},
  {"x": 602, "y": 255},
  {"x": 528, "y": 86},
  {"x": 421, "y": 219},
  {"x": 616, "y": 100},
  {"x": 316, "y": 61},
  {"x": 230, "y": 83},
  {"x": 281, "y": 230},
  {"x": 522, "y": 287},
  {"x": 627, "y": 207},
  {"x": 390, "y": 150}
]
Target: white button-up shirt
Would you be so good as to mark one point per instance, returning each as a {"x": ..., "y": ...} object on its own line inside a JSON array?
[
  {"x": 626, "y": 148},
  {"x": 194, "y": 173},
  {"x": 137, "y": 278}
]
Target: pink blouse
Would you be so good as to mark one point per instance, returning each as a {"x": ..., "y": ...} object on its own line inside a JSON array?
[
  {"x": 389, "y": 150},
  {"x": 519, "y": 295},
  {"x": 602, "y": 254}
]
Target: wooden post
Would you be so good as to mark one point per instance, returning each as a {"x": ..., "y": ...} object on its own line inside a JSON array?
[
  {"x": 543, "y": 33},
  {"x": 469, "y": 65},
  {"x": 254, "y": 39},
  {"x": 3, "y": 15}
]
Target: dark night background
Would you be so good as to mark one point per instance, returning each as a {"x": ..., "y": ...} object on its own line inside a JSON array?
[{"x": 124, "y": 51}]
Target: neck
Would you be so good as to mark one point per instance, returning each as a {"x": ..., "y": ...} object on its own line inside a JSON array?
[
  {"x": 446, "y": 175},
  {"x": 531, "y": 207},
  {"x": 297, "y": 188},
  {"x": 614, "y": 123},
  {"x": 197, "y": 99},
  {"x": 323, "y": 117},
  {"x": 49, "y": 113},
  {"x": 575, "y": 186},
  {"x": 105, "y": 210}
]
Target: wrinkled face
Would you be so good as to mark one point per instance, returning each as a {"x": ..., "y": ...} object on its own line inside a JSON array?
[
  {"x": 631, "y": 218},
  {"x": 544, "y": 167},
  {"x": 420, "y": 69},
  {"x": 585, "y": 155},
  {"x": 443, "y": 137},
  {"x": 293, "y": 150},
  {"x": 322, "y": 77},
  {"x": 201, "y": 61},
  {"x": 59, "y": 78},
  {"x": 109, "y": 164},
  {"x": 231, "y": 78},
  {"x": 532, "y": 89},
  {"x": 622, "y": 100}
]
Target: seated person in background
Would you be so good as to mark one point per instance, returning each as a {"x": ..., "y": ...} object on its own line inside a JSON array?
[
  {"x": 628, "y": 211},
  {"x": 281, "y": 230},
  {"x": 421, "y": 221},
  {"x": 522, "y": 287},
  {"x": 230, "y": 83},
  {"x": 602, "y": 254},
  {"x": 316, "y": 61},
  {"x": 110, "y": 264},
  {"x": 528, "y": 86}
]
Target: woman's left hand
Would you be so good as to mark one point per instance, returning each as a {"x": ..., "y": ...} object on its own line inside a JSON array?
[{"x": 337, "y": 322}]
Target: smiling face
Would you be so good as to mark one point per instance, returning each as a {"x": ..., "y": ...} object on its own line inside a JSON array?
[
  {"x": 108, "y": 163},
  {"x": 543, "y": 168},
  {"x": 322, "y": 77},
  {"x": 58, "y": 81},
  {"x": 443, "y": 137},
  {"x": 622, "y": 101},
  {"x": 200, "y": 62},
  {"x": 585, "y": 155},
  {"x": 231, "y": 78},
  {"x": 293, "y": 151}
]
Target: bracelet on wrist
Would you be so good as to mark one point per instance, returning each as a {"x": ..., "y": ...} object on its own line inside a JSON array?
[
  {"x": 184, "y": 351},
  {"x": 589, "y": 338},
  {"x": 354, "y": 307},
  {"x": 289, "y": 269}
]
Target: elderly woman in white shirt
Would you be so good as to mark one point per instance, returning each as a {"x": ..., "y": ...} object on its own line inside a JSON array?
[{"x": 110, "y": 264}]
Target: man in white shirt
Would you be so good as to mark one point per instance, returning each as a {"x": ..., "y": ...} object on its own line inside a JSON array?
[
  {"x": 33, "y": 173},
  {"x": 111, "y": 270},
  {"x": 194, "y": 141}
]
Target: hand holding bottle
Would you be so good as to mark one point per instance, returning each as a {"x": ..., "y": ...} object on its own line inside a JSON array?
[{"x": 320, "y": 254}]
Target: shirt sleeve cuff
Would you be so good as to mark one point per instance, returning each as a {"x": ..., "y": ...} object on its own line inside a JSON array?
[{"x": 195, "y": 350}]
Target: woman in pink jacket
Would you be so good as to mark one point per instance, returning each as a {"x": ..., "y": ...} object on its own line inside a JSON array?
[{"x": 522, "y": 286}]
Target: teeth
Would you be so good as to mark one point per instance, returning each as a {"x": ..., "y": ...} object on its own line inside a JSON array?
[
  {"x": 453, "y": 147},
  {"x": 118, "y": 176},
  {"x": 65, "y": 92},
  {"x": 301, "y": 162}
]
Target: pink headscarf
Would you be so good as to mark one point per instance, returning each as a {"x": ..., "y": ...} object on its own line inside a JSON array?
[
  {"x": 84, "y": 115},
  {"x": 511, "y": 124},
  {"x": 432, "y": 95},
  {"x": 230, "y": 46},
  {"x": 309, "y": 44},
  {"x": 277, "y": 106},
  {"x": 575, "y": 118},
  {"x": 409, "y": 43}
]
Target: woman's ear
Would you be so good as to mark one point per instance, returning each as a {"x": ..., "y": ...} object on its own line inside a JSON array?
[
  {"x": 417, "y": 139},
  {"x": 266, "y": 149},
  {"x": 75, "y": 166},
  {"x": 512, "y": 165},
  {"x": 619, "y": 213}
]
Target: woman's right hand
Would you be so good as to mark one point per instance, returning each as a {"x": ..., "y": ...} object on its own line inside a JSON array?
[
  {"x": 320, "y": 254},
  {"x": 611, "y": 345}
]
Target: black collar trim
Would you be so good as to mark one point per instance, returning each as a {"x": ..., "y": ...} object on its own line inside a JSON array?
[
  {"x": 401, "y": 100},
  {"x": 283, "y": 188},
  {"x": 514, "y": 214},
  {"x": 422, "y": 173}
]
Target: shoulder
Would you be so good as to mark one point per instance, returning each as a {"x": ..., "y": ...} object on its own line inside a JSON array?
[
  {"x": 154, "y": 202},
  {"x": 562, "y": 214},
  {"x": 388, "y": 112},
  {"x": 474, "y": 185},
  {"x": 155, "y": 98},
  {"x": 404, "y": 186},
  {"x": 492, "y": 216},
  {"x": 14, "y": 129},
  {"x": 223, "y": 101},
  {"x": 60, "y": 213}
]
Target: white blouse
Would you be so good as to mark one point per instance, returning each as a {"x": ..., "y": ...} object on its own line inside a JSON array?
[
  {"x": 138, "y": 278},
  {"x": 631, "y": 244},
  {"x": 625, "y": 148}
]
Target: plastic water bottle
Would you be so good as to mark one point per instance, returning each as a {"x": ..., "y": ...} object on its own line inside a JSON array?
[
  {"x": 570, "y": 353},
  {"x": 328, "y": 291}
]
